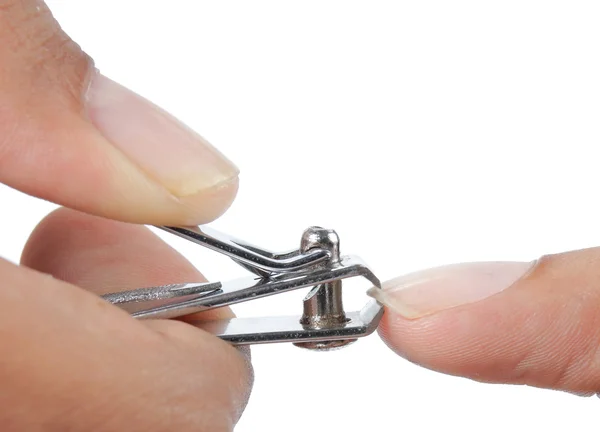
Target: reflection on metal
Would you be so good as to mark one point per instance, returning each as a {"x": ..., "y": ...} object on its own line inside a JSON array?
[{"x": 316, "y": 264}]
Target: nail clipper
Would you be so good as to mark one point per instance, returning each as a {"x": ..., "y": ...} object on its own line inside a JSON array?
[{"x": 316, "y": 264}]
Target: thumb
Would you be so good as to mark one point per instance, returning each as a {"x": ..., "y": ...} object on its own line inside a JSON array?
[
  {"x": 72, "y": 136},
  {"x": 518, "y": 323}
]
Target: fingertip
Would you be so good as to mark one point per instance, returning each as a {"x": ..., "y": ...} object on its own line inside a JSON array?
[
  {"x": 412, "y": 340},
  {"x": 205, "y": 206},
  {"x": 155, "y": 206}
]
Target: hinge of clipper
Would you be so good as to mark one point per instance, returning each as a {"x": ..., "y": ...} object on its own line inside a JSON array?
[{"x": 316, "y": 264}]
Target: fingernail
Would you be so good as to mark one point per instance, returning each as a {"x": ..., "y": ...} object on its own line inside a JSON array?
[
  {"x": 167, "y": 150},
  {"x": 427, "y": 292}
]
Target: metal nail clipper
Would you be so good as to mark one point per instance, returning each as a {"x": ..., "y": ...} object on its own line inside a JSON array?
[{"x": 316, "y": 264}]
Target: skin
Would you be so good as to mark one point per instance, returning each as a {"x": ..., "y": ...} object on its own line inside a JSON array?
[
  {"x": 66, "y": 346},
  {"x": 541, "y": 331},
  {"x": 69, "y": 360},
  {"x": 73, "y": 362}
]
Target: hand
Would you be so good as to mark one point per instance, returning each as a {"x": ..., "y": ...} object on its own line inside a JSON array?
[
  {"x": 72, "y": 136},
  {"x": 518, "y": 323}
]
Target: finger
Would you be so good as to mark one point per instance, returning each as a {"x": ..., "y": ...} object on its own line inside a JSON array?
[
  {"x": 106, "y": 256},
  {"x": 111, "y": 372},
  {"x": 520, "y": 323},
  {"x": 70, "y": 135},
  {"x": 72, "y": 362}
]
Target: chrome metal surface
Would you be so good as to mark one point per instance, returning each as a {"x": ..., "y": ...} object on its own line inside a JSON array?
[
  {"x": 317, "y": 264},
  {"x": 157, "y": 302},
  {"x": 323, "y": 306},
  {"x": 246, "y": 331},
  {"x": 164, "y": 292},
  {"x": 252, "y": 258}
]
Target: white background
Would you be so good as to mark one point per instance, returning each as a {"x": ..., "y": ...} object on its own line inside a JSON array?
[{"x": 424, "y": 132}]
